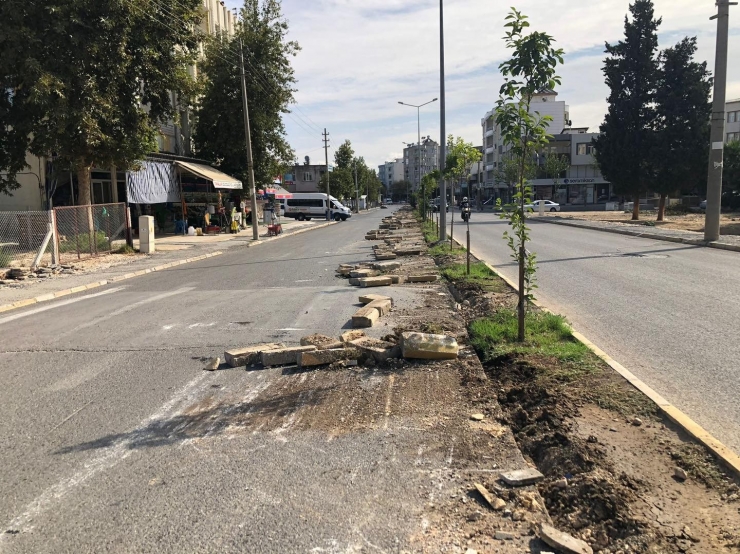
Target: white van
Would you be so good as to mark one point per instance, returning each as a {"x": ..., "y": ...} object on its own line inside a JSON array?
[{"x": 304, "y": 206}]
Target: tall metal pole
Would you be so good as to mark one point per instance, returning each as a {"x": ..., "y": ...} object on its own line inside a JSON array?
[
  {"x": 716, "y": 152},
  {"x": 442, "y": 142},
  {"x": 357, "y": 189},
  {"x": 250, "y": 163},
  {"x": 328, "y": 189},
  {"x": 419, "y": 186}
]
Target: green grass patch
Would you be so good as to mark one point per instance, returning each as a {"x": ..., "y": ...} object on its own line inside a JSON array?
[
  {"x": 5, "y": 258},
  {"x": 443, "y": 249},
  {"x": 126, "y": 249},
  {"x": 480, "y": 274},
  {"x": 547, "y": 336},
  {"x": 82, "y": 243},
  {"x": 430, "y": 232}
]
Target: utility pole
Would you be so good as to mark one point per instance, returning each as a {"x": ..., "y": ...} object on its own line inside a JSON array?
[
  {"x": 357, "y": 189},
  {"x": 716, "y": 152},
  {"x": 250, "y": 163},
  {"x": 328, "y": 190},
  {"x": 442, "y": 142}
]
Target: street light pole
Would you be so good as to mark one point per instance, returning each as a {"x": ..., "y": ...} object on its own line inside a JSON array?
[
  {"x": 442, "y": 143},
  {"x": 716, "y": 152},
  {"x": 250, "y": 162},
  {"x": 418, "y": 144}
]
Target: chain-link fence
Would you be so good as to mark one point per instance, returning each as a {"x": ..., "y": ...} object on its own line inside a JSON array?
[
  {"x": 85, "y": 231},
  {"x": 22, "y": 234}
]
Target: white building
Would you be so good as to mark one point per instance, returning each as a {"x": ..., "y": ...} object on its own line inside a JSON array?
[
  {"x": 420, "y": 159},
  {"x": 390, "y": 172}
]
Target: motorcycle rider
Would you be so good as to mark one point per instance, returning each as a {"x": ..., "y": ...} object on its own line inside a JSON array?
[{"x": 465, "y": 208}]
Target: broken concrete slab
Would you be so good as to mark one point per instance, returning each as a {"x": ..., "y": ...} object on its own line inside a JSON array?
[
  {"x": 325, "y": 357},
  {"x": 375, "y": 281},
  {"x": 380, "y": 350},
  {"x": 367, "y": 298},
  {"x": 350, "y": 336},
  {"x": 494, "y": 502},
  {"x": 365, "y": 317},
  {"x": 249, "y": 355},
  {"x": 385, "y": 256},
  {"x": 382, "y": 305},
  {"x": 422, "y": 278},
  {"x": 284, "y": 356},
  {"x": 563, "y": 541},
  {"x": 387, "y": 266},
  {"x": 398, "y": 279},
  {"x": 408, "y": 251},
  {"x": 321, "y": 342},
  {"x": 354, "y": 281},
  {"x": 428, "y": 347},
  {"x": 364, "y": 273},
  {"x": 521, "y": 477},
  {"x": 212, "y": 364}
]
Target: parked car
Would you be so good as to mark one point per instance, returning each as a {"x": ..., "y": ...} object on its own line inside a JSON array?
[
  {"x": 550, "y": 206},
  {"x": 304, "y": 206},
  {"x": 703, "y": 205}
]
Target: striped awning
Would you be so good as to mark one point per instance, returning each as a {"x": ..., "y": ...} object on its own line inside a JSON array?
[{"x": 220, "y": 180}]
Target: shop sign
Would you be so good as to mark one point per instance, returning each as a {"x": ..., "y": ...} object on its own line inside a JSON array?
[{"x": 578, "y": 181}]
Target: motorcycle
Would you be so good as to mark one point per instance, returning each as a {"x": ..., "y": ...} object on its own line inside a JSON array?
[{"x": 465, "y": 213}]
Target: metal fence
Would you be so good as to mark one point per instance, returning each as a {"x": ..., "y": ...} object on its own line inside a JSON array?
[
  {"x": 86, "y": 231},
  {"x": 22, "y": 235}
]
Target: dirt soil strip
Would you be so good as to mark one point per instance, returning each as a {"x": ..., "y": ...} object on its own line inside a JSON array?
[{"x": 610, "y": 477}]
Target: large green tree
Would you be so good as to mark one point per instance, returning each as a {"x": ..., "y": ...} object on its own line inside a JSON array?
[
  {"x": 625, "y": 148},
  {"x": 91, "y": 80},
  {"x": 344, "y": 156},
  {"x": 683, "y": 122},
  {"x": 219, "y": 129}
]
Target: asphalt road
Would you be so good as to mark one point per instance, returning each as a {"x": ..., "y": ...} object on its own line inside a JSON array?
[
  {"x": 668, "y": 312},
  {"x": 113, "y": 439}
]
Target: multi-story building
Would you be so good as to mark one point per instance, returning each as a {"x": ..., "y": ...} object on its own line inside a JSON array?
[
  {"x": 390, "y": 172},
  {"x": 108, "y": 185},
  {"x": 420, "y": 159},
  {"x": 732, "y": 123},
  {"x": 305, "y": 178}
]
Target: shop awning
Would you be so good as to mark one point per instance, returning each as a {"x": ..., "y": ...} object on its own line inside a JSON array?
[
  {"x": 279, "y": 192},
  {"x": 220, "y": 180}
]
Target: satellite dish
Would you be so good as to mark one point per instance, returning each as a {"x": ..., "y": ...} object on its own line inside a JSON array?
[{"x": 307, "y": 160}]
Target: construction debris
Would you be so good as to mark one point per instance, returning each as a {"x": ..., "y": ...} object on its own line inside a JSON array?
[
  {"x": 521, "y": 477},
  {"x": 350, "y": 336},
  {"x": 383, "y": 305},
  {"x": 365, "y": 317},
  {"x": 428, "y": 347},
  {"x": 326, "y": 357},
  {"x": 321, "y": 342},
  {"x": 376, "y": 282},
  {"x": 563, "y": 541},
  {"x": 422, "y": 278},
  {"x": 367, "y": 298},
  {"x": 212, "y": 364},
  {"x": 379, "y": 350},
  {"x": 250, "y": 355},
  {"x": 284, "y": 356},
  {"x": 494, "y": 502}
]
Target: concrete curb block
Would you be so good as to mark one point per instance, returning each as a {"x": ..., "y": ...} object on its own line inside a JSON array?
[
  {"x": 54, "y": 295},
  {"x": 648, "y": 235},
  {"x": 724, "y": 454}
]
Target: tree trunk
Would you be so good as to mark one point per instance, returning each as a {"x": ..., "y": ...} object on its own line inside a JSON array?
[
  {"x": 661, "y": 207},
  {"x": 636, "y": 207},
  {"x": 84, "y": 196}
]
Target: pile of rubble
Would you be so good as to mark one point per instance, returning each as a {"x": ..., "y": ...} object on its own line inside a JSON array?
[
  {"x": 376, "y": 275},
  {"x": 398, "y": 238},
  {"x": 10, "y": 276}
]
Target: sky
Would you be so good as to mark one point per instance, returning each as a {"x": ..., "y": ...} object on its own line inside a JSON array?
[{"x": 359, "y": 58}]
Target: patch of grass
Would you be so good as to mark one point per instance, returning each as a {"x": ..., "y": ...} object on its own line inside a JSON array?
[
  {"x": 429, "y": 231},
  {"x": 82, "y": 242},
  {"x": 547, "y": 336},
  {"x": 126, "y": 249},
  {"x": 443, "y": 249},
  {"x": 480, "y": 274},
  {"x": 5, "y": 258}
]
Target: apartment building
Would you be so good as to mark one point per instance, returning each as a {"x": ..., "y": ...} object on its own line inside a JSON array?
[
  {"x": 732, "y": 121},
  {"x": 305, "y": 178},
  {"x": 420, "y": 159},
  {"x": 390, "y": 172},
  {"x": 108, "y": 185}
]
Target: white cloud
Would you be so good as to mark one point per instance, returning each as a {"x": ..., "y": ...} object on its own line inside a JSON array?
[{"x": 360, "y": 57}]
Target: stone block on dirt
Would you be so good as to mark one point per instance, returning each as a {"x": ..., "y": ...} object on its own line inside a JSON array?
[
  {"x": 387, "y": 266},
  {"x": 249, "y": 355},
  {"x": 494, "y": 502},
  {"x": 325, "y": 357},
  {"x": 422, "y": 278},
  {"x": 350, "y": 336},
  {"x": 680, "y": 474},
  {"x": 284, "y": 356},
  {"x": 344, "y": 270},
  {"x": 408, "y": 251},
  {"x": 382, "y": 305},
  {"x": 398, "y": 279},
  {"x": 321, "y": 342},
  {"x": 428, "y": 347},
  {"x": 380, "y": 350},
  {"x": 212, "y": 364},
  {"x": 563, "y": 541},
  {"x": 367, "y": 298},
  {"x": 385, "y": 256},
  {"x": 522, "y": 477},
  {"x": 503, "y": 536},
  {"x": 354, "y": 281},
  {"x": 364, "y": 273},
  {"x": 365, "y": 317},
  {"x": 376, "y": 281}
]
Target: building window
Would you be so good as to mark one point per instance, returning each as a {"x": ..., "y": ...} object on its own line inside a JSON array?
[
  {"x": 584, "y": 149},
  {"x": 733, "y": 136},
  {"x": 732, "y": 117},
  {"x": 307, "y": 176}
]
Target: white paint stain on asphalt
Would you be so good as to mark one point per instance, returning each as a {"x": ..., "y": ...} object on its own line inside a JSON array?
[
  {"x": 106, "y": 459},
  {"x": 13, "y": 317}
]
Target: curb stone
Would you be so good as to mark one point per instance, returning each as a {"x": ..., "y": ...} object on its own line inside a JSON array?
[
  {"x": 642, "y": 235},
  {"x": 64, "y": 292},
  {"x": 724, "y": 454}
]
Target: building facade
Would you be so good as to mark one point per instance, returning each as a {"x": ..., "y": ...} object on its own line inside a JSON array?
[
  {"x": 420, "y": 159},
  {"x": 305, "y": 178},
  {"x": 732, "y": 121},
  {"x": 392, "y": 171}
]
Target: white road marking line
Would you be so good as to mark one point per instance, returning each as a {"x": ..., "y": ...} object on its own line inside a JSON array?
[
  {"x": 131, "y": 307},
  {"x": 10, "y": 318},
  {"x": 289, "y": 329},
  {"x": 109, "y": 457}
]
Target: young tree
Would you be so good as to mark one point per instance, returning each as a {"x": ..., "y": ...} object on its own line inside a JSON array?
[
  {"x": 683, "y": 121},
  {"x": 731, "y": 173},
  {"x": 219, "y": 129},
  {"x": 341, "y": 183},
  {"x": 344, "y": 155},
  {"x": 625, "y": 149},
  {"x": 531, "y": 68},
  {"x": 91, "y": 81},
  {"x": 460, "y": 154}
]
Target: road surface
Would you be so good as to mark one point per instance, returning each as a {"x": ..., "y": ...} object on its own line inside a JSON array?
[{"x": 668, "y": 312}]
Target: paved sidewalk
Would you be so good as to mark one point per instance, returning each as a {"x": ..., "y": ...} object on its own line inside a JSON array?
[
  {"x": 726, "y": 242},
  {"x": 171, "y": 250}
]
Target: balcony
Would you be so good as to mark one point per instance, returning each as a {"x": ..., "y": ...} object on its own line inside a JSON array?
[{"x": 489, "y": 133}]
